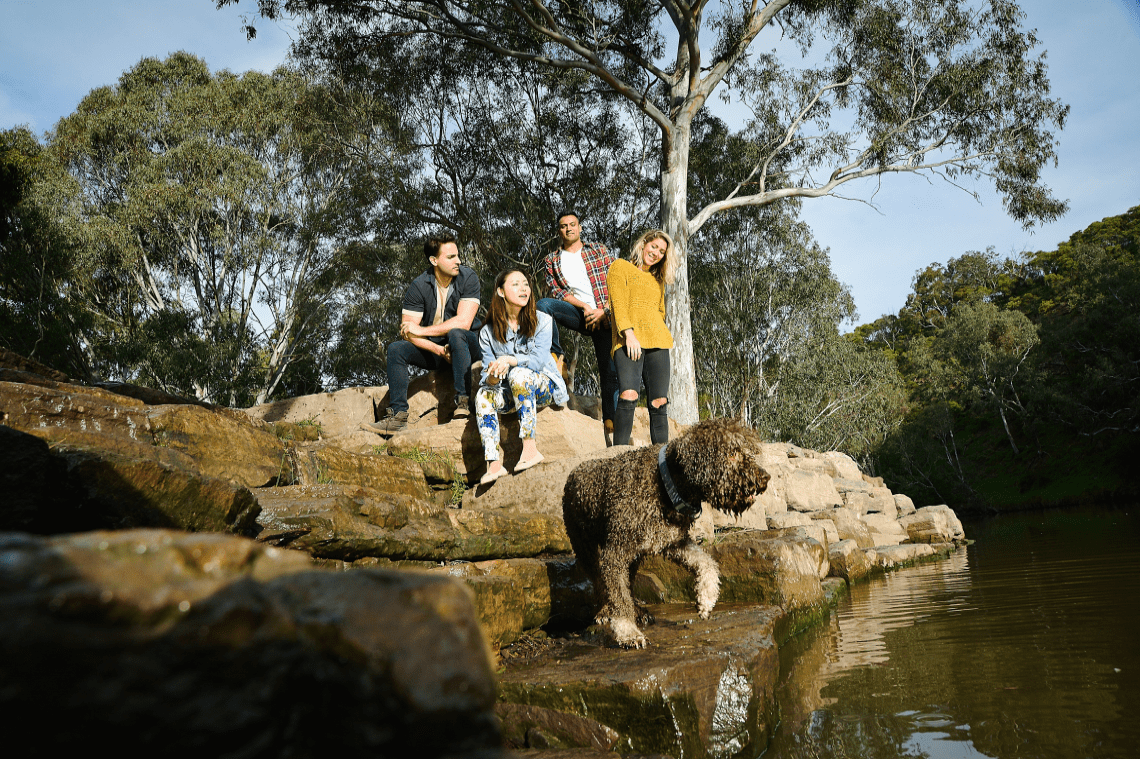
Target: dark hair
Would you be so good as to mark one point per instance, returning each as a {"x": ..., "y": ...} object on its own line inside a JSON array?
[
  {"x": 528, "y": 314},
  {"x": 435, "y": 241},
  {"x": 565, "y": 213}
]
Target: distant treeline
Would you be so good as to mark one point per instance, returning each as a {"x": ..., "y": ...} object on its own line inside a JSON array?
[{"x": 1022, "y": 376}]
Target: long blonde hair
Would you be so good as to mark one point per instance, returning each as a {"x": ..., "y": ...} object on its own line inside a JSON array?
[{"x": 665, "y": 270}]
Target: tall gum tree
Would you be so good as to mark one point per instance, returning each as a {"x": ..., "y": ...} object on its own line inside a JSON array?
[{"x": 943, "y": 87}]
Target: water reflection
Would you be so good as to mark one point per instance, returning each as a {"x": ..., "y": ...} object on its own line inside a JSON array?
[{"x": 1021, "y": 646}]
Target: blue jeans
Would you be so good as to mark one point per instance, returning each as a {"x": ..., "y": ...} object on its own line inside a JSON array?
[
  {"x": 464, "y": 343},
  {"x": 569, "y": 316}
]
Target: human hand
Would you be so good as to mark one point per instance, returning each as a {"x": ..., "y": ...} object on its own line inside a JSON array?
[
  {"x": 409, "y": 330},
  {"x": 499, "y": 368},
  {"x": 595, "y": 317},
  {"x": 632, "y": 346}
]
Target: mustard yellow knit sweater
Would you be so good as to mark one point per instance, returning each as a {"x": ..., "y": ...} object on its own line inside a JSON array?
[{"x": 637, "y": 300}]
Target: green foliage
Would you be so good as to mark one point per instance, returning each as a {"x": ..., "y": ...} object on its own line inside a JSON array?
[
  {"x": 767, "y": 340},
  {"x": 1043, "y": 353},
  {"x": 41, "y": 314}
]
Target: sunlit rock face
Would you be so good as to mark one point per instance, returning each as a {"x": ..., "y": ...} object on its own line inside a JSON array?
[{"x": 215, "y": 645}]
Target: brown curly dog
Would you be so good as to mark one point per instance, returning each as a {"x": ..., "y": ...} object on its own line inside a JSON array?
[{"x": 620, "y": 510}]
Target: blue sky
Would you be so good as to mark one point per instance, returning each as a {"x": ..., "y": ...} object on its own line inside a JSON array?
[{"x": 53, "y": 52}]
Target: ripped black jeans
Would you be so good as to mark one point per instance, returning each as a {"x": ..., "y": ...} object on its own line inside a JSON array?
[{"x": 653, "y": 367}]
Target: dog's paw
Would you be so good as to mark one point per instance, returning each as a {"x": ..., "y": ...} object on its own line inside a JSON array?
[
  {"x": 626, "y": 634},
  {"x": 704, "y": 613}
]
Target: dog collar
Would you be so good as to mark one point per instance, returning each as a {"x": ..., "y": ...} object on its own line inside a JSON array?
[{"x": 680, "y": 505}]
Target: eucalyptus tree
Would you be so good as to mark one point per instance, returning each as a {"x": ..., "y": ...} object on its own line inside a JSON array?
[
  {"x": 41, "y": 314},
  {"x": 835, "y": 91},
  {"x": 983, "y": 350},
  {"x": 222, "y": 203}
]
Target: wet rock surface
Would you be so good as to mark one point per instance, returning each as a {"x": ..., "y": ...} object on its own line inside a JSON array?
[
  {"x": 218, "y": 645},
  {"x": 702, "y": 688}
]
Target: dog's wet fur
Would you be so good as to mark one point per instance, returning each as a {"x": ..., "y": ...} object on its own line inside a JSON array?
[{"x": 617, "y": 512}]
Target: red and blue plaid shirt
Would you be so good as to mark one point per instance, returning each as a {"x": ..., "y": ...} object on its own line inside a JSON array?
[{"x": 597, "y": 260}]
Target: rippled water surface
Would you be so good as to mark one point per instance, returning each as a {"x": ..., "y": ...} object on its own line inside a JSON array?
[{"x": 1024, "y": 645}]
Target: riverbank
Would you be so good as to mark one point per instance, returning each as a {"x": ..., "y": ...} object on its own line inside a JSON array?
[{"x": 281, "y": 560}]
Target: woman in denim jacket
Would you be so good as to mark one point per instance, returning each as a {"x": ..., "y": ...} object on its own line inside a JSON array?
[{"x": 516, "y": 348}]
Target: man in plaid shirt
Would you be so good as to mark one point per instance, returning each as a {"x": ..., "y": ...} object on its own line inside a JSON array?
[{"x": 579, "y": 299}]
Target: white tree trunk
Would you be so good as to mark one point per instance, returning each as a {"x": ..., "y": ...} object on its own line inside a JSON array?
[{"x": 675, "y": 221}]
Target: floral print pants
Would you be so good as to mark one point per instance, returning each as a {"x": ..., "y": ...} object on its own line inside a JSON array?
[{"x": 531, "y": 392}]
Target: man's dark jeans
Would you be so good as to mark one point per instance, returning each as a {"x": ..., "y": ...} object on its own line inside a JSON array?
[
  {"x": 464, "y": 345},
  {"x": 569, "y": 316}
]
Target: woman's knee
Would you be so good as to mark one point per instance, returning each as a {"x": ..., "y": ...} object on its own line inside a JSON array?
[
  {"x": 520, "y": 379},
  {"x": 629, "y": 395},
  {"x": 658, "y": 402}
]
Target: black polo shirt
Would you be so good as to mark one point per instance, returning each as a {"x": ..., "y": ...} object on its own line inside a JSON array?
[{"x": 420, "y": 297}]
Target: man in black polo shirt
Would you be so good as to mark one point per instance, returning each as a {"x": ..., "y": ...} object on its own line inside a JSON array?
[{"x": 438, "y": 328}]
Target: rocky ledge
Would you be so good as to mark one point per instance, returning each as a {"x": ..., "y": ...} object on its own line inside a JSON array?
[{"x": 276, "y": 582}]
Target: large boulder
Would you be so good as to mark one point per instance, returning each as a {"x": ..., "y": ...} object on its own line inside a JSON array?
[
  {"x": 903, "y": 505},
  {"x": 808, "y": 490},
  {"x": 208, "y": 645},
  {"x": 768, "y": 567},
  {"x": 222, "y": 446},
  {"x": 933, "y": 524},
  {"x": 335, "y": 414},
  {"x": 315, "y": 464},
  {"x": 61, "y": 412},
  {"x": 844, "y": 466},
  {"x": 895, "y": 557},
  {"x": 885, "y": 530},
  {"x": 848, "y": 526},
  {"x": 849, "y": 561},
  {"x": 133, "y": 465}
]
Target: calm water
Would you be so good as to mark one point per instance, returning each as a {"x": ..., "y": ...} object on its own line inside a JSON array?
[{"x": 1024, "y": 645}]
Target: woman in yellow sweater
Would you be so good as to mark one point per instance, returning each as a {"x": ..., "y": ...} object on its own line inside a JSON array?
[{"x": 641, "y": 341}]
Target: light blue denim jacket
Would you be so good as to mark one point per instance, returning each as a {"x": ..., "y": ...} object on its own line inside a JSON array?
[{"x": 531, "y": 352}]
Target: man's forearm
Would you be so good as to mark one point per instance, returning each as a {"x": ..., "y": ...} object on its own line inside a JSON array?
[
  {"x": 576, "y": 303},
  {"x": 459, "y": 321},
  {"x": 424, "y": 344}
]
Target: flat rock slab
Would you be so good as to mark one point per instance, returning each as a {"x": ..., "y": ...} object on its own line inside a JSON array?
[
  {"x": 703, "y": 688},
  {"x": 349, "y": 523},
  {"x": 113, "y": 482}
]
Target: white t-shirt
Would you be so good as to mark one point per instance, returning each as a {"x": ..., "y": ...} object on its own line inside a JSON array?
[{"x": 574, "y": 269}]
